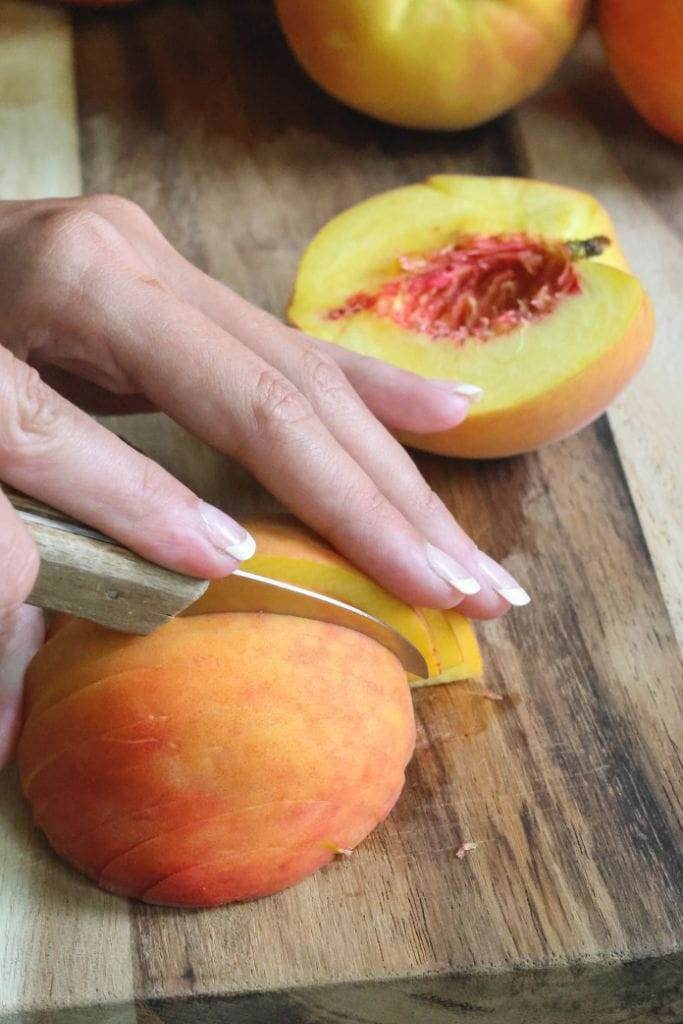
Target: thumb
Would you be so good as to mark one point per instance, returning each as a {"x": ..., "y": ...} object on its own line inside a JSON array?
[{"x": 21, "y": 634}]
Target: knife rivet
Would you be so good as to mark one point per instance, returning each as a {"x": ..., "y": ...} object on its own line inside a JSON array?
[{"x": 113, "y": 594}]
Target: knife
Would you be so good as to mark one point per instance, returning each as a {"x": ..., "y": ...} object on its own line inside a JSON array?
[{"x": 85, "y": 573}]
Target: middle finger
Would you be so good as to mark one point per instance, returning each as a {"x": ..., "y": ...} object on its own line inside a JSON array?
[{"x": 370, "y": 444}]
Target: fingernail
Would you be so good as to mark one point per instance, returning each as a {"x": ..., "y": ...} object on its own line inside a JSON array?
[
  {"x": 225, "y": 534},
  {"x": 455, "y": 574},
  {"x": 501, "y": 580},
  {"x": 471, "y": 391}
]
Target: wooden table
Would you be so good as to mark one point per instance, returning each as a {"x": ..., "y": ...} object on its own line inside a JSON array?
[{"x": 570, "y": 907}]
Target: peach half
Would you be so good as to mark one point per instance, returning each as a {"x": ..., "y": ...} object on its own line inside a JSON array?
[
  {"x": 228, "y": 755},
  {"x": 517, "y": 286}
]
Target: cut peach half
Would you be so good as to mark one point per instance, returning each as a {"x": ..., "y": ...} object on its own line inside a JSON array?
[
  {"x": 287, "y": 551},
  {"x": 513, "y": 285}
]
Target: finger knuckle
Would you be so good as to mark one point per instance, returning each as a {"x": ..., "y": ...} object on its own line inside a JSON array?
[
  {"x": 367, "y": 504},
  {"x": 73, "y": 238},
  {"x": 426, "y": 503},
  {"x": 116, "y": 208},
  {"x": 377, "y": 511},
  {"x": 151, "y": 487},
  {"x": 30, "y": 416},
  {"x": 278, "y": 405},
  {"x": 323, "y": 378}
]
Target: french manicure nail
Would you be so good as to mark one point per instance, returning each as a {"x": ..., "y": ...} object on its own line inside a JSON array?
[
  {"x": 454, "y": 387},
  {"x": 501, "y": 580},
  {"x": 455, "y": 574},
  {"x": 225, "y": 534}
]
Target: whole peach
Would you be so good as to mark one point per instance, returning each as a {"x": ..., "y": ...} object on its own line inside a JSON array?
[
  {"x": 644, "y": 43},
  {"x": 437, "y": 64},
  {"x": 222, "y": 758}
]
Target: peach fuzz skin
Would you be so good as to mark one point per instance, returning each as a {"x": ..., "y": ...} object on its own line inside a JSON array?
[
  {"x": 431, "y": 64},
  {"x": 223, "y": 758},
  {"x": 643, "y": 43},
  {"x": 541, "y": 380}
]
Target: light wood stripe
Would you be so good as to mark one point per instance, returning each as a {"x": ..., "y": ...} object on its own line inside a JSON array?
[
  {"x": 562, "y": 144},
  {"x": 38, "y": 129},
  {"x": 56, "y": 930}
]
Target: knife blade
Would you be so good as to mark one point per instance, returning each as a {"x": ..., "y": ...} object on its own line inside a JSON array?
[
  {"x": 251, "y": 592},
  {"x": 85, "y": 573}
]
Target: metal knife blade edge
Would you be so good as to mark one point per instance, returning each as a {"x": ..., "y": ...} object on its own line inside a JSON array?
[{"x": 362, "y": 621}]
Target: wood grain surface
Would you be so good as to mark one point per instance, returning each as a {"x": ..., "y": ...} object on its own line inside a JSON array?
[
  {"x": 569, "y": 908},
  {"x": 38, "y": 125}
]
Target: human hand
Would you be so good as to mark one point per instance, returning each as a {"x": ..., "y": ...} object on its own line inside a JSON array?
[{"x": 99, "y": 311}]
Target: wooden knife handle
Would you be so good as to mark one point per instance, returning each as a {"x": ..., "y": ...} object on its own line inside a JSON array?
[{"x": 87, "y": 574}]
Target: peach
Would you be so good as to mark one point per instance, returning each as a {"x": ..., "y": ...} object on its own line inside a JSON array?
[
  {"x": 645, "y": 49},
  {"x": 436, "y": 64},
  {"x": 228, "y": 755},
  {"x": 223, "y": 758},
  {"x": 516, "y": 286}
]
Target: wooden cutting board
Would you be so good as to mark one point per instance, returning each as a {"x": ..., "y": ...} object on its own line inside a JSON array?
[{"x": 570, "y": 907}]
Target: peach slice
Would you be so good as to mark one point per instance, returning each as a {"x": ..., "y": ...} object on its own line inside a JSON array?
[
  {"x": 517, "y": 286},
  {"x": 286, "y": 550}
]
